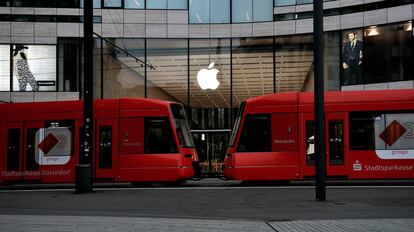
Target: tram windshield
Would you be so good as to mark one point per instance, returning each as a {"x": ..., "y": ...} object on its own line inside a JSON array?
[{"x": 181, "y": 125}]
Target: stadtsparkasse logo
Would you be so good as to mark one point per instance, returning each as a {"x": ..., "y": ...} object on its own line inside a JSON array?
[
  {"x": 392, "y": 133},
  {"x": 207, "y": 78}
]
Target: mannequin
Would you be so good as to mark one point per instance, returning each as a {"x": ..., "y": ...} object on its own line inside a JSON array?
[{"x": 22, "y": 70}]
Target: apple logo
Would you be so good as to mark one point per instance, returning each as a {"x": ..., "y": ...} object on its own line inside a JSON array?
[{"x": 207, "y": 78}]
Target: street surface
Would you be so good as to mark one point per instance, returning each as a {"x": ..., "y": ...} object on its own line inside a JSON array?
[{"x": 209, "y": 205}]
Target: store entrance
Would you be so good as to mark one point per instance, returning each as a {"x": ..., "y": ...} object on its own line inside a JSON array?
[{"x": 211, "y": 146}]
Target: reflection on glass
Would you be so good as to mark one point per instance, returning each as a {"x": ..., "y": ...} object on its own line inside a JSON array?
[
  {"x": 262, "y": 10},
  {"x": 34, "y": 67},
  {"x": 242, "y": 11},
  {"x": 352, "y": 57},
  {"x": 69, "y": 63},
  {"x": 168, "y": 79},
  {"x": 156, "y": 4},
  {"x": 252, "y": 68},
  {"x": 199, "y": 11},
  {"x": 134, "y": 4},
  {"x": 112, "y": 3},
  {"x": 294, "y": 57},
  {"x": 332, "y": 51},
  {"x": 123, "y": 76},
  {"x": 4, "y": 67}
]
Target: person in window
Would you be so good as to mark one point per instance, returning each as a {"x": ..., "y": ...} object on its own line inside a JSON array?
[
  {"x": 22, "y": 70},
  {"x": 352, "y": 59}
]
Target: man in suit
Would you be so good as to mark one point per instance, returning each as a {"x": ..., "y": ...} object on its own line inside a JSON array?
[{"x": 352, "y": 59}]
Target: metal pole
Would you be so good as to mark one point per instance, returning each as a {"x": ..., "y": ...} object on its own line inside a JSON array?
[
  {"x": 320, "y": 167},
  {"x": 84, "y": 168}
]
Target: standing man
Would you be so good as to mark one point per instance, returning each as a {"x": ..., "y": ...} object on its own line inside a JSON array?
[{"x": 352, "y": 59}]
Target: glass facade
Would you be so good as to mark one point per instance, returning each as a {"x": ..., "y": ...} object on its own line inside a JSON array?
[
  {"x": 112, "y": 3},
  {"x": 209, "y": 11},
  {"x": 134, "y": 4},
  {"x": 293, "y": 59},
  {"x": 394, "y": 61},
  {"x": 123, "y": 75},
  {"x": 252, "y": 68},
  {"x": 168, "y": 79}
]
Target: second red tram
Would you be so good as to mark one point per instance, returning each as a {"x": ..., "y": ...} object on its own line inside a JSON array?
[
  {"x": 135, "y": 140},
  {"x": 369, "y": 135}
]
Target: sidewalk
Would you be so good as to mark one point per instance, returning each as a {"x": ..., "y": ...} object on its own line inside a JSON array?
[{"x": 125, "y": 224}]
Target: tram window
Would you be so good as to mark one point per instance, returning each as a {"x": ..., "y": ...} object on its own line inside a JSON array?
[
  {"x": 310, "y": 143},
  {"x": 159, "y": 138},
  {"x": 13, "y": 149},
  {"x": 381, "y": 130},
  {"x": 362, "y": 130},
  {"x": 256, "y": 135}
]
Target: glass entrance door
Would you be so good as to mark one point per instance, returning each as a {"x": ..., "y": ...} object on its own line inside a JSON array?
[{"x": 211, "y": 146}]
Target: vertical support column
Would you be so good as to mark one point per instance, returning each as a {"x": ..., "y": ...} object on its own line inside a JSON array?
[
  {"x": 84, "y": 168},
  {"x": 320, "y": 149}
]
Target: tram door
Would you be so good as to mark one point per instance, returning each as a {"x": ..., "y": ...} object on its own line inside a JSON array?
[
  {"x": 20, "y": 160},
  {"x": 336, "y": 140},
  {"x": 105, "y": 149},
  {"x": 211, "y": 148}
]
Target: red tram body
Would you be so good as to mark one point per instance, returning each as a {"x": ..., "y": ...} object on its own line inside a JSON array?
[
  {"x": 369, "y": 135},
  {"x": 135, "y": 140}
]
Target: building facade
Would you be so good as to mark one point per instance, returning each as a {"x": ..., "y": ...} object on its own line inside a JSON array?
[{"x": 156, "y": 48}]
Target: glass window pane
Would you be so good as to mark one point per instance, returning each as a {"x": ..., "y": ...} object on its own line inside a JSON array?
[
  {"x": 177, "y": 4},
  {"x": 303, "y": 1},
  {"x": 252, "y": 68},
  {"x": 284, "y": 2},
  {"x": 34, "y": 67},
  {"x": 294, "y": 57},
  {"x": 393, "y": 62},
  {"x": 4, "y": 67},
  {"x": 256, "y": 135},
  {"x": 69, "y": 51},
  {"x": 242, "y": 11},
  {"x": 159, "y": 138},
  {"x": 332, "y": 59},
  {"x": 123, "y": 76},
  {"x": 219, "y": 11},
  {"x": 199, "y": 11},
  {"x": 134, "y": 4},
  {"x": 112, "y": 3},
  {"x": 168, "y": 80},
  {"x": 156, "y": 4},
  {"x": 262, "y": 10}
]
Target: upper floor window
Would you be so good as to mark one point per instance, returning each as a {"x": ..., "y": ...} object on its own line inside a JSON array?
[
  {"x": 112, "y": 3},
  {"x": 209, "y": 11},
  {"x": 166, "y": 4},
  {"x": 284, "y": 2},
  {"x": 134, "y": 4},
  {"x": 252, "y": 11}
]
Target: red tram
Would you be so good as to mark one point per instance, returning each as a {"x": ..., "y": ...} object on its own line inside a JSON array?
[
  {"x": 136, "y": 140},
  {"x": 369, "y": 135}
]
